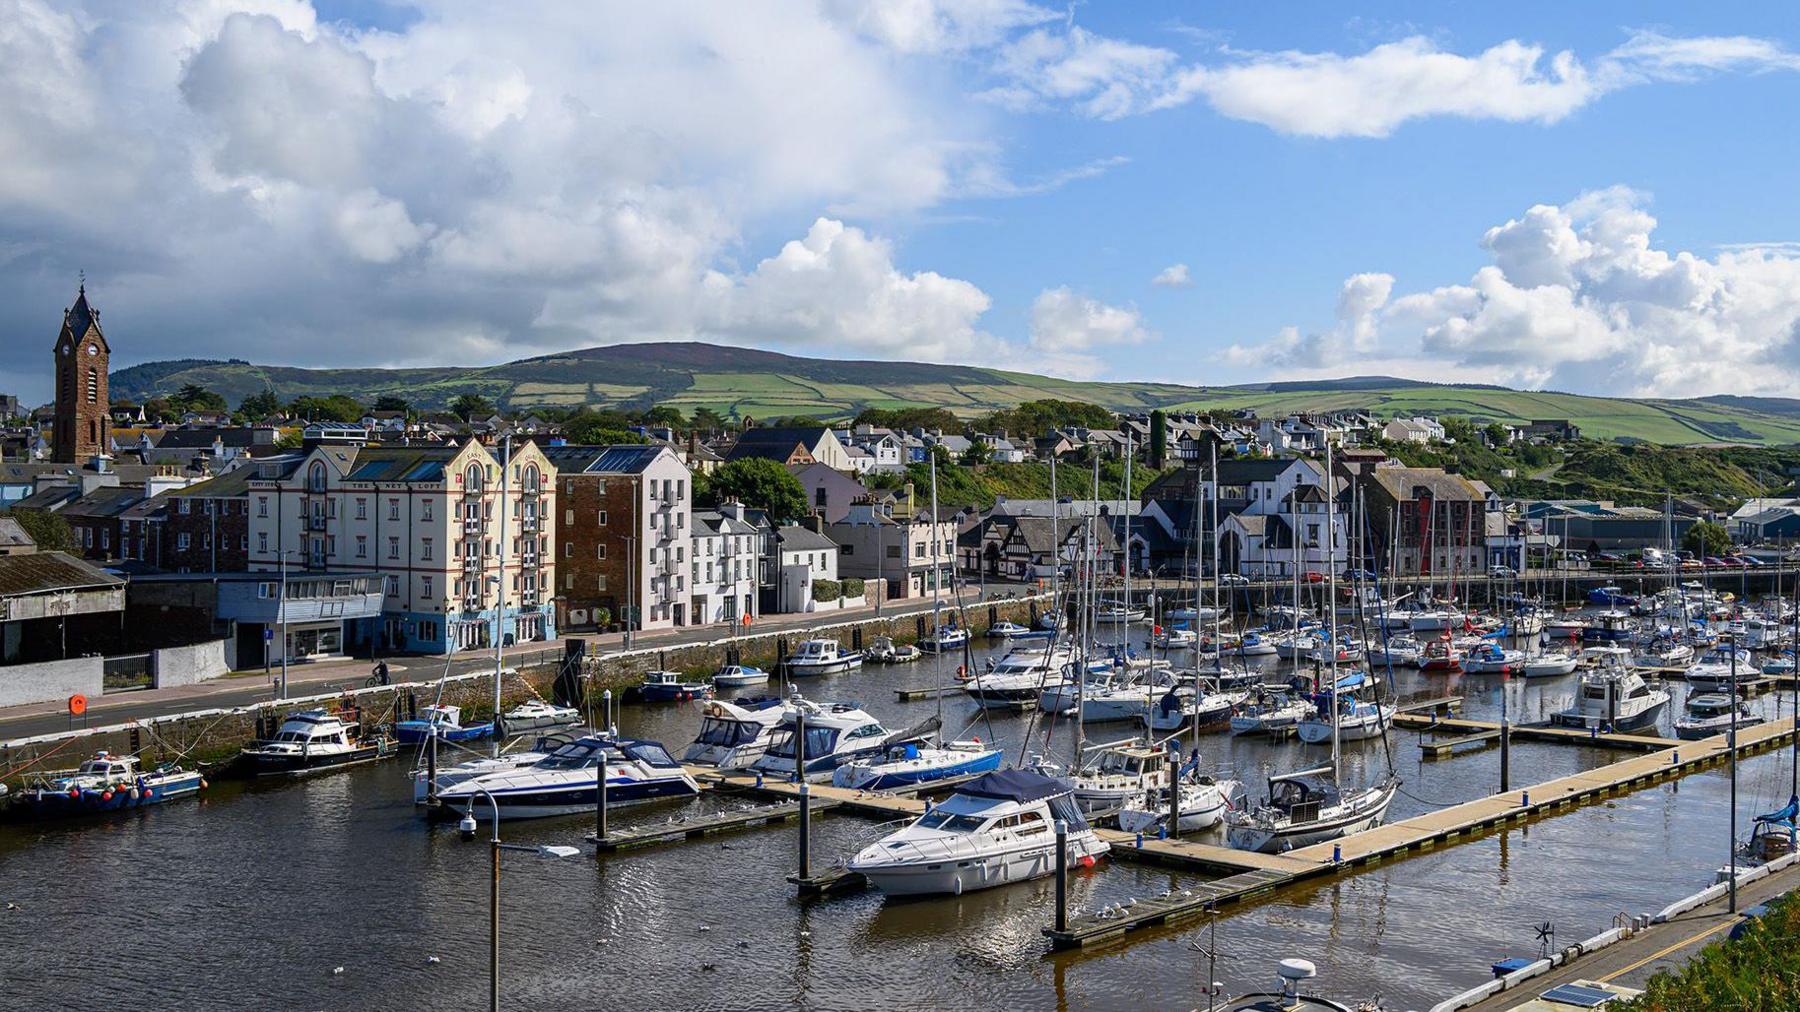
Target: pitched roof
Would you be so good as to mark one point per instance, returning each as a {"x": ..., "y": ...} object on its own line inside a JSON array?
[
  {"x": 201, "y": 437},
  {"x": 232, "y": 483},
  {"x": 628, "y": 458},
  {"x": 1403, "y": 483},
  {"x": 107, "y": 501},
  {"x": 49, "y": 497},
  {"x": 49, "y": 572},
  {"x": 401, "y": 463},
  {"x": 12, "y": 535},
  {"x": 803, "y": 539},
  {"x": 81, "y": 316}
]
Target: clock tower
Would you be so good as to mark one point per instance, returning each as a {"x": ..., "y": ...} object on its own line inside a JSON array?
[{"x": 83, "y": 411}]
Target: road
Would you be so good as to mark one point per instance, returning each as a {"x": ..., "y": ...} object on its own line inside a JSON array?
[
  {"x": 246, "y": 688},
  {"x": 1634, "y": 961}
]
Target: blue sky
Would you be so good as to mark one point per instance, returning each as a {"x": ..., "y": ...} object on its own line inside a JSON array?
[{"x": 1543, "y": 195}]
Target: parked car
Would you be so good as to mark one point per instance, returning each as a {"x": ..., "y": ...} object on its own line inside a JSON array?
[
  {"x": 1313, "y": 576},
  {"x": 1233, "y": 579},
  {"x": 1359, "y": 574},
  {"x": 1501, "y": 572},
  {"x": 1751, "y": 561},
  {"x": 1713, "y": 560}
]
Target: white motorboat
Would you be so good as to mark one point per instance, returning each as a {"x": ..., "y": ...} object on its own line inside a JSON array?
[
  {"x": 1018, "y": 679},
  {"x": 537, "y": 714},
  {"x": 1357, "y": 720},
  {"x": 1548, "y": 665},
  {"x": 1713, "y": 673},
  {"x": 1182, "y": 708},
  {"x": 734, "y": 676},
  {"x": 1114, "y": 775},
  {"x": 997, "y": 829},
  {"x": 1305, "y": 808},
  {"x": 1663, "y": 654},
  {"x": 1708, "y": 713},
  {"x": 1117, "y": 614},
  {"x": 1124, "y": 697},
  {"x": 1613, "y": 697},
  {"x": 909, "y": 764},
  {"x": 1202, "y": 802},
  {"x": 821, "y": 657},
  {"x": 1492, "y": 659},
  {"x": 565, "y": 781},
  {"x": 1174, "y": 638},
  {"x": 1007, "y": 630},
  {"x": 312, "y": 740},
  {"x": 944, "y": 639},
  {"x": 456, "y": 773},
  {"x": 836, "y": 733},
  {"x": 1276, "y": 716},
  {"x": 734, "y": 734},
  {"x": 1399, "y": 651},
  {"x": 885, "y": 651}
]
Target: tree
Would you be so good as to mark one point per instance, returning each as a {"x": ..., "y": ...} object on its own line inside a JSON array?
[
  {"x": 1159, "y": 439},
  {"x": 1706, "y": 538},
  {"x": 599, "y": 428},
  {"x": 392, "y": 402},
  {"x": 194, "y": 397},
  {"x": 49, "y": 531},
  {"x": 907, "y": 419},
  {"x": 760, "y": 483},
  {"x": 664, "y": 414},
  {"x": 977, "y": 454},
  {"x": 336, "y": 408},
  {"x": 259, "y": 405},
  {"x": 470, "y": 406},
  {"x": 708, "y": 420},
  {"x": 161, "y": 409},
  {"x": 1496, "y": 435}
]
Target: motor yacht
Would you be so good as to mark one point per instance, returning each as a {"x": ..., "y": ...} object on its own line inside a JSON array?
[
  {"x": 944, "y": 639},
  {"x": 1018, "y": 679},
  {"x": 449, "y": 773},
  {"x": 672, "y": 687},
  {"x": 537, "y": 714},
  {"x": 1713, "y": 672},
  {"x": 908, "y": 764},
  {"x": 1114, "y": 775},
  {"x": 1399, "y": 651},
  {"x": 443, "y": 720},
  {"x": 997, "y": 829},
  {"x": 565, "y": 782},
  {"x": 1007, "y": 630},
  {"x": 312, "y": 740},
  {"x": 1708, "y": 713},
  {"x": 736, "y": 676},
  {"x": 735, "y": 733},
  {"x": 1613, "y": 697},
  {"x": 836, "y": 733},
  {"x": 821, "y": 657},
  {"x": 1304, "y": 808}
]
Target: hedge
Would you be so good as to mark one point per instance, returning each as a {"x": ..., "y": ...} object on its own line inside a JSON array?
[
  {"x": 827, "y": 590},
  {"x": 852, "y": 586}
]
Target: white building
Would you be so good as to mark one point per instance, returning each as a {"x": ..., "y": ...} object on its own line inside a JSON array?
[
  {"x": 724, "y": 569},
  {"x": 1414, "y": 430},
  {"x": 803, "y": 556}
]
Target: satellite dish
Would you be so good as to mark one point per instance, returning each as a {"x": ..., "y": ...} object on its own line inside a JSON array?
[{"x": 1297, "y": 969}]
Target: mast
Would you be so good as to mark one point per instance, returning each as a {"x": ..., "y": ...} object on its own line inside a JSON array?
[
  {"x": 1213, "y": 511},
  {"x": 1055, "y": 552},
  {"x": 937, "y": 569},
  {"x": 500, "y": 590},
  {"x": 1130, "y": 451},
  {"x": 1331, "y": 599}
]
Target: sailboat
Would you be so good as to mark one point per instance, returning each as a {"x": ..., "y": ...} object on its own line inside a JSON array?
[{"x": 1311, "y": 806}]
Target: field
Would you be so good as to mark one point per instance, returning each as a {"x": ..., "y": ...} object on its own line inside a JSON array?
[{"x": 742, "y": 382}]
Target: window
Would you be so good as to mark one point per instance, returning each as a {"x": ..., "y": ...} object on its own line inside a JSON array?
[
  {"x": 569, "y": 581},
  {"x": 393, "y": 548},
  {"x": 362, "y": 547},
  {"x": 681, "y": 488},
  {"x": 181, "y": 540},
  {"x": 362, "y": 508},
  {"x": 600, "y": 582},
  {"x": 244, "y": 542},
  {"x": 205, "y": 540},
  {"x": 569, "y": 551},
  {"x": 918, "y": 551},
  {"x": 265, "y": 590},
  {"x": 893, "y": 551},
  {"x": 315, "y": 477},
  {"x": 600, "y": 518},
  {"x": 262, "y": 541},
  {"x": 847, "y": 549},
  {"x": 262, "y": 505},
  {"x": 393, "y": 509},
  {"x": 93, "y": 385},
  {"x": 681, "y": 521},
  {"x": 391, "y": 585},
  {"x": 425, "y": 548},
  {"x": 599, "y": 551},
  {"x": 207, "y": 505},
  {"x": 680, "y": 554},
  {"x": 569, "y": 517},
  {"x": 106, "y": 539},
  {"x": 184, "y": 506},
  {"x": 425, "y": 585},
  {"x": 425, "y": 509}
]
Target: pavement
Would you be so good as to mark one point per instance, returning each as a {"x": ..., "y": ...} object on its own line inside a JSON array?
[
  {"x": 1666, "y": 946},
  {"x": 245, "y": 688}
]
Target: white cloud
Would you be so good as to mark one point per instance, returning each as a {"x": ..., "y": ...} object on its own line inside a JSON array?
[
  {"x": 1173, "y": 276},
  {"x": 1070, "y": 333},
  {"x": 1577, "y": 297},
  {"x": 938, "y": 26}
]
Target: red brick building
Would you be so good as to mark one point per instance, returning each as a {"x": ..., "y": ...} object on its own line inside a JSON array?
[{"x": 624, "y": 527}]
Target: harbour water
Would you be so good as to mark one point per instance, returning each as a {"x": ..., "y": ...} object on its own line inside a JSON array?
[{"x": 254, "y": 896}]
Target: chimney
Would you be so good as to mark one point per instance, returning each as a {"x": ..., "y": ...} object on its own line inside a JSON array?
[{"x": 814, "y": 522}]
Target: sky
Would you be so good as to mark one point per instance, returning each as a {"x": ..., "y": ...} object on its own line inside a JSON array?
[{"x": 1586, "y": 197}]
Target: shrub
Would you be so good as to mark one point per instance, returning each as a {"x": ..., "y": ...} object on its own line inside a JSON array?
[
  {"x": 827, "y": 590},
  {"x": 603, "y": 617},
  {"x": 852, "y": 586}
]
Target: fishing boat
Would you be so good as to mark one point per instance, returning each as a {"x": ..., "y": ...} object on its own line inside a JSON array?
[
  {"x": 944, "y": 639},
  {"x": 821, "y": 657},
  {"x": 1275, "y": 715},
  {"x": 537, "y": 714},
  {"x": 836, "y": 733},
  {"x": 672, "y": 687},
  {"x": 106, "y": 783},
  {"x": 1612, "y": 624},
  {"x": 1548, "y": 665},
  {"x": 1115, "y": 774},
  {"x": 1201, "y": 803},
  {"x": 1613, "y": 696},
  {"x": 456, "y": 773},
  {"x": 736, "y": 676},
  {"x": 1708, "y": 713},
  {"x": 312, "y": 740},
  {"x": 908, "y": 764},
  {"x": 1007, "y": 630},
  {"x": 734, "y": 734},
  {"x": 565, "y": 781},
  {"x": 1307, "y": 807},
  {"x": 997, "y": 829},
  {"x": 885, "y": 651},
  {"x": 445, "y": 721}
]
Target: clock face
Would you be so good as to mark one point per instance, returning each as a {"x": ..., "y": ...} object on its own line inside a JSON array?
[{"x": 93, "y": 349}]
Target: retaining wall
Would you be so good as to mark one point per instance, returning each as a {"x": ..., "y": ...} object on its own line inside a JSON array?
[
  {"x": 186, "y": 665},
  {"x": 51, "y": 681}
]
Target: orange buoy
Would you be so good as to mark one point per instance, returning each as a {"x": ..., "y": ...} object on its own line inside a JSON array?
[{"x": 77, "y": 705}]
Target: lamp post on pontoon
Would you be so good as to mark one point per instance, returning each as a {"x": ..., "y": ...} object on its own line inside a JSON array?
[{"x": 467, "y": 827}]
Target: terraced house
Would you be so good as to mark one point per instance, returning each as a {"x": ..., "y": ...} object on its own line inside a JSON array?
[{"x": 461, "y": 541}]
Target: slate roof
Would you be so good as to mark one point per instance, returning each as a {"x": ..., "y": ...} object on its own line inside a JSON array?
[
  {"x": 795, "y": 538},
  {"x": 50, "y": 497},
  {"x": 12, "y": 535},
  {"x": 50, "y": 572},
  {"x": 202, "y": 438},
  {"x": 1403, "y": 482},
  {"x": 109, "y": 501},
  {"x": 232, "y": 483},
  {"x": 777, "y": 442}
]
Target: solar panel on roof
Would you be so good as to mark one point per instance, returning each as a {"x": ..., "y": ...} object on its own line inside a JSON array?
[
  {"x": 1578, "y": 995},
  {"x": 426, "y": 470}
]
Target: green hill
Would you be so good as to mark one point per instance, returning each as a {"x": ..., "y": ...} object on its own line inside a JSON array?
[{"x": 746, "y": 382}]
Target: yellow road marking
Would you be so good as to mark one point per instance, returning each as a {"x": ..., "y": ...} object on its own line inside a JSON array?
[{"x": 1689, "y": 940}]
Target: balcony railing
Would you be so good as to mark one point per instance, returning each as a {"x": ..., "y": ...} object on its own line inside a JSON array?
[
  {"x": 528, "y": 558},
  {"x": 471, "y": 525},
  {"x": 315, "y": 522},
  {"x": 528, "y": 523}
]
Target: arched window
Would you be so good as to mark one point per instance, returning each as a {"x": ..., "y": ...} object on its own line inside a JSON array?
[
  {"x": 315, "y": 477},
  {"x": 472, "y": 478},
  {"x": 531, "y": 478}
]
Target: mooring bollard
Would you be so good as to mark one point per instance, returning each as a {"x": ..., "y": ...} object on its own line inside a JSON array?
[
  {"x": 1140, "y": 841},
  {"x": 1675, "y": 758},
  {"x": 1524, "y": 799},
  {"x": 1062, "y": 875},
  {"x": 1337, "y": 853}
]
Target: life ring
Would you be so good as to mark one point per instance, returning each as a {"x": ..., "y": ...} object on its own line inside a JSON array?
[{"x": 77, "y": 705}]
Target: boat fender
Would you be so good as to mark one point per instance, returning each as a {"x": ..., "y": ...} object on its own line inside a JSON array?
[
  {"x": 149, "y": 793},
  {"x": 1087, "y": 861},
  {"x": 75, "y": 794},
  {"x": 105, "y": 795},
  {"x": 134, "y": 794},
  {"x": 203, "y": 784}
]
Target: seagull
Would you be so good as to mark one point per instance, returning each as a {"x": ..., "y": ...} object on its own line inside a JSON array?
[
  {"x": 432, "y": 960},
  {"x": 705, "y": 927},
  {"x": 336, "y": 971}
]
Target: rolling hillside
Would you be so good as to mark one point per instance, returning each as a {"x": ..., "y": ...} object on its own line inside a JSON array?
[{"x": 746, "y": 382}]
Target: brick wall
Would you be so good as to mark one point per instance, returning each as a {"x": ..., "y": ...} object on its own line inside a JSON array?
[{"x": 580, "y": 539}]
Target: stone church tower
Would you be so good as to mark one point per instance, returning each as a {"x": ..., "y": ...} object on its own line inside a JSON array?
[{"x": 83, "y": 411}]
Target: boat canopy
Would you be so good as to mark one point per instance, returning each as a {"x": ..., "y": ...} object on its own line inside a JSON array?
[
  {"x": 1014, "y": 785},
  {"x": 1785, "y": 815}
]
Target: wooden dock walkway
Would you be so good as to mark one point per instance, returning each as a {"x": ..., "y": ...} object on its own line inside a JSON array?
[
  {"x": 1439, "y": 748},
  {"x": 707, "y": 825},
  {"x": 1423, "y": 832},
  {"x": 1535, "y": 732},
  {"x": 911, "y": 695}
]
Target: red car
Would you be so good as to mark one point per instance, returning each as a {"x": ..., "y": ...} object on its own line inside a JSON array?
[{"x": 1312, "y": 577}]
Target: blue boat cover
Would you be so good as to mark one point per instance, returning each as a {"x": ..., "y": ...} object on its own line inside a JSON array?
[
  {"x": 1014, "y": 785},
  {"x": 1785, "y": 815}
]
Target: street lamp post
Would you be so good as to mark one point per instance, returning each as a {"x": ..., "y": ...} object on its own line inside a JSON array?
[
  {"x": 467, "y": 827},
  {"x": 281, "y": 616}
]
